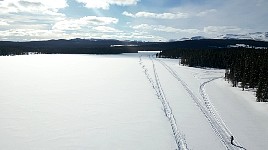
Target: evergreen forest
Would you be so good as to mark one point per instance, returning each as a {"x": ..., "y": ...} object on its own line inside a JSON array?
[{"x": 245, "y": 67}]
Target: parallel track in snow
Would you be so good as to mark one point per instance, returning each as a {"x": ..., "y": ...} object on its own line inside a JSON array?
[
  {"x": 214, "y": 120},
  {"x": 156, "y": 84},
  {"x": 213, "y": 111},
  {"x": 210, "y": 106}
]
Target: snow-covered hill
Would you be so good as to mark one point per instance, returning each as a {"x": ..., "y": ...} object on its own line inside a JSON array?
[
  {"x": 198, "y": 38},
  {"x": 258, "y": 36},
  {"x": 193, "y": 38}
]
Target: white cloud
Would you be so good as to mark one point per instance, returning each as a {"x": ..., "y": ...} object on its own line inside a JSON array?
[
  {"x": 206, "y": 12},
  {"x": 30, "y": 19},
  {"x": 136, "y": 35},
  {"x": 143, "y": 27},
  {"x": 100, "y": 32},
  {"x": 67, "y": 25},
  {"x": 45, "y": 19},
  {"x": 144, "y": 14},
  {"x": 76, "y": 24},
  {"x": 105, "y": 4},
  {"x": 29, "y": 13},
  {"x": 29, "y": 34},
  {"x": 168, "y": 15},
  {"x": 164, "y": 29},
  {"x": 105, "y": 29},
  {"x": 3, "y": 23},
  {"x": 99, "y": 20},
  {"x": 31, "y": 6},
  {"x": 221, "y": 29},
  {"x": 128, "y": 14}
]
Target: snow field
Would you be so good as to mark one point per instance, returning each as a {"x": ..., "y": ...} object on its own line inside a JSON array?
[
  {"x": 127, "y": 101},
  {"x": 156, "y": 84},
  {"x": 79, "y": 102},
  {"x": 245, "y": 119},
  {"x": 190, "y": 120}
]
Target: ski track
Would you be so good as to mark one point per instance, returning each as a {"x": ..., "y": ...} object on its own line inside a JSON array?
[
  {"x": 208, "y": 110},
  {"x": 213, "y": 111},
  {"x": 178, "y": 135}
]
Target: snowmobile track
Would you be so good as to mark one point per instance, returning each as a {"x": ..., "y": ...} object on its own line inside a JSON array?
[
  {"x": 178, "y": 135},
  {"x": 215, "y": 122}
]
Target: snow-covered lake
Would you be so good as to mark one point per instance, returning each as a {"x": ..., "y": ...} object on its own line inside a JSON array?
[{"x": 127, "y": 101}]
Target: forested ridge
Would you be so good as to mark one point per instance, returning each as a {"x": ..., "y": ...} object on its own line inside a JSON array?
[
  {"x": 73, "y": 46},
  {"x": 112, "y": 46},
  {"x": 9, "y": 51},
  {"x": 245, "y": 67}
]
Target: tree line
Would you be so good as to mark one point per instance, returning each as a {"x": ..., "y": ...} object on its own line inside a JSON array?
[
  {"x": 245, "y": 67},
  {"x": 72, "y": 46},
  {"x": 16, "y": 50}
]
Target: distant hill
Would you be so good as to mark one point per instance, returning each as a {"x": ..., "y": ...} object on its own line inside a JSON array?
[
  {"x": 110, "y": 46},
  {"x": 258, "y": 36},
  {"x": 85, "y": 43},
  {"x": 205, "y": 44},
  {"x": 73, "y": 46}
]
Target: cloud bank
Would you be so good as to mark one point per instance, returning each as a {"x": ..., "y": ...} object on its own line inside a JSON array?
[
  {"x": 105, "y": 4},
  {"x": 145, "y": 14}
]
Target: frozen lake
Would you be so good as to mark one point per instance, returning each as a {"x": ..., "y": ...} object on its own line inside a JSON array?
[
  {"x": 116, "y": 102},
  {"x": 79, "y": 102}
]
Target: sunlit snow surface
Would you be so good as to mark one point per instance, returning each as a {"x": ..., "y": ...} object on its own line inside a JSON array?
[{"x": 108, "y": 102}]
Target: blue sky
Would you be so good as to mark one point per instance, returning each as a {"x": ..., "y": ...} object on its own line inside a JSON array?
[{"x": 146, "y": 20}]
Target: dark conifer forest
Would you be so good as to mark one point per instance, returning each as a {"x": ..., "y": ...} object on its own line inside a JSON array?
[
  {"x": 74, "y": 46},
  {"x": 245, "y": 67}
]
